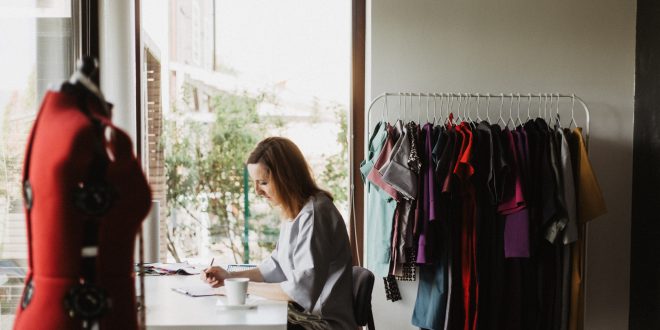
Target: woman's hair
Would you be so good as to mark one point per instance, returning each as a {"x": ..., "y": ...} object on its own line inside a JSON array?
[{"x": 288, "y": 172}]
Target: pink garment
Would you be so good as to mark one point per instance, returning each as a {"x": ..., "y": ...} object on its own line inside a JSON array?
[
  {"x": 516, "y": 202},
  {"x": 516, "y": 225},
  {"x": 374, "y": 175}
]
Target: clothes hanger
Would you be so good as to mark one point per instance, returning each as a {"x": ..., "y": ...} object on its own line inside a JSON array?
[
  {"x": 410, "y": 110},
  {"x": 405, "y": 107},
  {"x": 557, "y": 118},
  {"x": 458, "y": 109},
  {"x": 386, "y": 113},
  {"x": 466, "y": 110},
  {"x": 450, "y": 116},
  {"x": 471, "y": 122},
  {"x": 450, "y": 104},
  {"x": 549, "y": 114},
  {"x": 428, "y": 108},
  {"x": 510, "y": 119},
  {"x": 545, "y": 109},
  {"x": 529, "y": 104},
  {"x": 500, "y": 121},
  {"x": 435, "y": 104},
  {"x": 518, "y": 111},
  {"x": 478, "y": 104},
  {"x": 419, "y": 105},
  {"x": 405, "y": 101},
  {"x": 401, "y": 109},
  {"x": 454, "y": 115},
  {"x": 487, "y": 109},
  {"x": 572, "y": 122},
  {"x": 545, "y": 105}
]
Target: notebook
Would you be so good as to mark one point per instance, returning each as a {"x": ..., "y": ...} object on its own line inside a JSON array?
[{"x": 203, "y": 290}]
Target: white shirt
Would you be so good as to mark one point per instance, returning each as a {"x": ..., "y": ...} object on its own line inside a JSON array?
[{"x": 312, "y": 263}]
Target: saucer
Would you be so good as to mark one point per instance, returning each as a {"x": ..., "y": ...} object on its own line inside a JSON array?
[
  {"x": 222, "y": 303},
  {"x": 236, "y": 307}
]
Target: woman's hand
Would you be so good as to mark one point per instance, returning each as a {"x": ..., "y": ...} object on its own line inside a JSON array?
[{"x": 215, "y": 276}]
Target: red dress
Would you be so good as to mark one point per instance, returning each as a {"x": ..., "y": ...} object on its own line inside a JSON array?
[{"x": 64, "y": 145}]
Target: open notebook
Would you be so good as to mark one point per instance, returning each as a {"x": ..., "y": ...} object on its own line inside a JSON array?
[{"x": 202, "y": 290}]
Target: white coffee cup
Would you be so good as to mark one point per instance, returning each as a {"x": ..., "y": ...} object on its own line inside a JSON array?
[{"x": 236, "y": 290}]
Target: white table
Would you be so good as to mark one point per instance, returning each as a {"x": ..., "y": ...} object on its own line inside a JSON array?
[{"x": 170, "y": 310}]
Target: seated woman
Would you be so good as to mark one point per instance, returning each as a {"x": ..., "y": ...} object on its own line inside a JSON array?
[{"x": 311, "y": 264}]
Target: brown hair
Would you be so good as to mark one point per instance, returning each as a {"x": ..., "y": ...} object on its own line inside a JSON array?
[{"x": 288, "y": 171}]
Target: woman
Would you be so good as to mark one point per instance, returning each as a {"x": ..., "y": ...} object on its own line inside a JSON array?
[{"x": 311, "y": 264}]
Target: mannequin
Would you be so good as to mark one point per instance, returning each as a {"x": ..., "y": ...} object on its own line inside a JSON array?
[{"x": 85, "y": 198}]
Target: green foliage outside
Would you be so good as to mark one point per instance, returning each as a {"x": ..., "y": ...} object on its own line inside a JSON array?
[
  {"x": 335, "y": 173},
  {"x": 204, "y": 168}
]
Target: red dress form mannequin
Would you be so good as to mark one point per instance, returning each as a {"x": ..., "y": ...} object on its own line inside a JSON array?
[{"x": 64, "y": 143}]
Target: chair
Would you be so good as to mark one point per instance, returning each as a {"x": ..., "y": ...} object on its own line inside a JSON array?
[{"x": 363, "y": 285}]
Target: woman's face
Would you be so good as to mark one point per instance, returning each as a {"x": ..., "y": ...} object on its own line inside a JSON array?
[{"x": 262, "y": 183}]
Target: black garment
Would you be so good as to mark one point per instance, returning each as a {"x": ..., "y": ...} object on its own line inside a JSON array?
[{"x": 489, "y": 230}]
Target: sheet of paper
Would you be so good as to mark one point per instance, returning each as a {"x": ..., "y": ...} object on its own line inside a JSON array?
[
  {"x": 202, "y": 290},
  {"x": 181, "y": 268}
]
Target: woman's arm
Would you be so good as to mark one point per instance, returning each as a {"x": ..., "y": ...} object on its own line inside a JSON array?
[
  {"x": 253, "y": 274},
  {"x": 272, "y": 291},
  {"x": 215, "y": 276}
]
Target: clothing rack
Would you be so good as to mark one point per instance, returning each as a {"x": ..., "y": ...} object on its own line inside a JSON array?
[
  {"x": 505, "y": 107},
  {"x": 473, "y": 103}
]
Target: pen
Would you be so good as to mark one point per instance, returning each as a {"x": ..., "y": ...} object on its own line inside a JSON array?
[{"x": 211, "y": 265}]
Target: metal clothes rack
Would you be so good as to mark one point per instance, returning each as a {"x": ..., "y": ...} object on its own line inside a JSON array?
[{"x": 465, "y": 105}]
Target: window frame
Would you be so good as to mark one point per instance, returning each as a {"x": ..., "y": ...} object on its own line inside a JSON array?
[{"x": 356, "y": 115}]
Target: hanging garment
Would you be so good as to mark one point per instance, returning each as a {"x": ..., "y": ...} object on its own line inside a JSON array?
[
  {"x": 430, "y": 306},
  {"x": 496, "y": 216},
  {"x": 489, "y": 251},
  {"x": 570, "y": 233},
  {"x": 402, "y": 173},
  {"x": 429, "y": 221},
  {"x": 513, "y": 206},
  {"x": 62, "y": 161},
  {"x": 590, "y": 204},
  {"x": 380, "y": 211},
  {"x": 374, "y": 175}
]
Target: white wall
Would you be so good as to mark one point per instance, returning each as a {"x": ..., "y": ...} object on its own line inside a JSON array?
[{"x": 582, "y": 47}]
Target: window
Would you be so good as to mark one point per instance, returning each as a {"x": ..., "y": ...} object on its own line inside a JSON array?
[
  {"x": 36, "y": 38},
  {"x": 230, "y": 74}
]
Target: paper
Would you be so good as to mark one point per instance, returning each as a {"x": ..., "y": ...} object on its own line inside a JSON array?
[
  {"x": 199, "y": 291},
  {"x": 181, "y": 268}
]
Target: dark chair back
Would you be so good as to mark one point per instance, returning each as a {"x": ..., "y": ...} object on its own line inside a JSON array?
[{"x": 363, "y": 285}]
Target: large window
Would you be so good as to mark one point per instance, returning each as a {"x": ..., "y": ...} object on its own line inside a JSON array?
[
  {"x": 36, "y": 39},
  {"x": 220, "y": 76}
]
